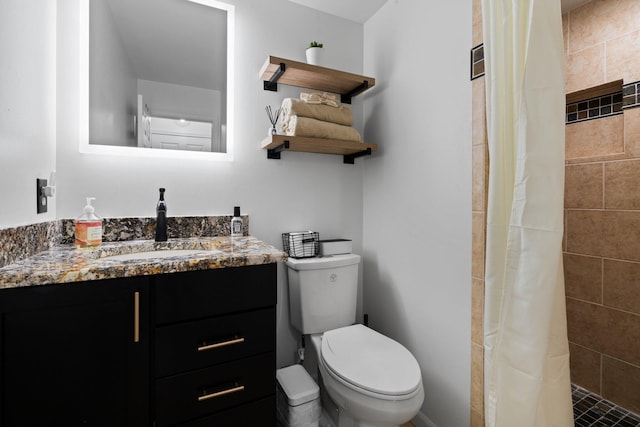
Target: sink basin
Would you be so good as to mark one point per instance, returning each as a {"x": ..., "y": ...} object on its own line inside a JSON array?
[{"x": 167, "y": 253}]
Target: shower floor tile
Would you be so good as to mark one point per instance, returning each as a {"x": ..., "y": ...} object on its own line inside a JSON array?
[{"x": 591, "y": 410}]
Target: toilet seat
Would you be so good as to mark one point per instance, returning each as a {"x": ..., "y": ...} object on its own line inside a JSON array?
[{"x": 364, "y": 359}]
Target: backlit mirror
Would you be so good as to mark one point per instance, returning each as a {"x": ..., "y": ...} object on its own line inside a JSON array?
[{"x": 159, "y": 78}]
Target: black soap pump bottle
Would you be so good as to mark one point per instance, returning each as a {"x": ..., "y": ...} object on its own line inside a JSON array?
[{"x": 161, "y": 218}]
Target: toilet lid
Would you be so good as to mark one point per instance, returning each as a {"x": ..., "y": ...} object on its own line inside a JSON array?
[{"x": 370, "y": 360}]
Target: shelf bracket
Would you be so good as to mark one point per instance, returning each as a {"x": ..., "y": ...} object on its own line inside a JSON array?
[
  {"x": 272, "y": 83},
  {"x": 274, "y": 153},
  {"x": 350, "y": 158},
  {"x": 346, "y": 97}
]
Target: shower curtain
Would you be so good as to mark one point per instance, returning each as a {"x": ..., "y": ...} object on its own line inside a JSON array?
[{"x": 526, "y": 356}]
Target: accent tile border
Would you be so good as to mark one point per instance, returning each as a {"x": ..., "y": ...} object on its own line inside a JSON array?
[
  {"x": 604, "y": 106},
  {"x": 631, "y": 94},
  {"x": 477, "y": 61},
  {"x": 594, "y": 108}
]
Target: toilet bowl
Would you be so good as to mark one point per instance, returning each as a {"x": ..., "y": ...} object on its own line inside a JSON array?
[
  {"x": 370, "y": 379},
  {"x": 373, "y": 380}
]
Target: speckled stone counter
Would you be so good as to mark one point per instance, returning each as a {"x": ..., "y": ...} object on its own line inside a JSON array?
[
  {"x": 25, "y": 241},
  {"x": 65, "y": 264}
]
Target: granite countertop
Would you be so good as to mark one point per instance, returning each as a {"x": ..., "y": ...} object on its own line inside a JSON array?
[{"x": 65, "y": 264}]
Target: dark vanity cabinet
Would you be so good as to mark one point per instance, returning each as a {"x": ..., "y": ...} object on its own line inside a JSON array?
[
  {"x": 215, "y": 347},
  {"x": 75, "y": 354},
  {"x": 184, "y": 349}
]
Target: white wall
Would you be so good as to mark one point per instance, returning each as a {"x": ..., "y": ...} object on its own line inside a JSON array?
[
  {"x": 417, "y": 189},
  {"x": 181, "y": 102},
  {"x": 168, "y": 100},
  {"x": 27, "y": 107},
  {"x": 300, "y": 192},
  {"x": 417, "y": 194},
  {"x": 113, "y": 98}
]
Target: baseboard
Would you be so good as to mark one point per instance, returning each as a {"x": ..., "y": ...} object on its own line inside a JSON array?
[{"x": 421, "y": 420}]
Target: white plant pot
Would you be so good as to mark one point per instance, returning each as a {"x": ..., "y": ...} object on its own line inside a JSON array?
[{"x": 314, "y": 55}]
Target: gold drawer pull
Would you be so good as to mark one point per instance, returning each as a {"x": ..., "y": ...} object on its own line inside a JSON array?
[
  {"x": 220, "y": 344},
  {"x": 221, "y": 393},
  {"x": 136, "y": 317}
]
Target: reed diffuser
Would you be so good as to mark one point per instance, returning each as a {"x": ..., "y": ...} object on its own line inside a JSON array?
[{"x": 273, "y": 118}]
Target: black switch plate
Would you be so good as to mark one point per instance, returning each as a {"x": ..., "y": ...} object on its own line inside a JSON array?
[{"x": 41, "y": 198}]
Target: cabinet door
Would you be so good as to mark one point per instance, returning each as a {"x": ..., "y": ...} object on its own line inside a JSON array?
[{"x": 75, "y": 354}]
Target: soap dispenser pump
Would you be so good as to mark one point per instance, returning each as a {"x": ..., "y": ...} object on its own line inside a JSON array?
[
  {"x": 88, "y": 228},
  {"x": 161, "y": 218}
]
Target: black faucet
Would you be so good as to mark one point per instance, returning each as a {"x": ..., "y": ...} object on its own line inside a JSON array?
[{"x": 161, "y": 219}]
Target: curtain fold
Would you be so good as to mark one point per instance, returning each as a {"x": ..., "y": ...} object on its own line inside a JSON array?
[{"x": 525, "y": 333}]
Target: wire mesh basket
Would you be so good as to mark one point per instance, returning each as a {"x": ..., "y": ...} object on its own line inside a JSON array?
[{"x": 301, "y": 244}]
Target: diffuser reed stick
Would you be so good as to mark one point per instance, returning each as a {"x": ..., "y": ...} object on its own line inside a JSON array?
[{"x": 273, "y": 118}]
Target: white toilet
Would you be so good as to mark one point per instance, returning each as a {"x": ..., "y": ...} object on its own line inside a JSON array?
[{"x": 372, "y": 380}]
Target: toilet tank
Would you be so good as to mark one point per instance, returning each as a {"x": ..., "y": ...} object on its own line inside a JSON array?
[{"x": 323, "y": 292}]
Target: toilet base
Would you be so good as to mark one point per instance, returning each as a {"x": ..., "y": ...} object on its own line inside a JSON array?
[
  {"x": 340, "y": 417},
  {"x": 382, "y": 413}
]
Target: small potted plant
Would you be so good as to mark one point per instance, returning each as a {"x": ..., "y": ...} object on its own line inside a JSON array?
[{"x": 314, "y": 53}]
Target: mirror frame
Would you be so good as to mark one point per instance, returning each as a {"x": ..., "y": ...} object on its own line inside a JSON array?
[{"x": 86, "y": 147}]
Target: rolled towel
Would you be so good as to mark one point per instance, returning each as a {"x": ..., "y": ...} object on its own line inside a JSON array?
[
  {"x": 312, "y": 128},
  {"x": 295, "y": 107},
  {"x": 320, "y": 98}
]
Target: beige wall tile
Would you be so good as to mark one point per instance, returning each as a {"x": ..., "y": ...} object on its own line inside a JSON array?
[
  {"x": 632, "y": 132},
  {"x": 477, "y": 245},
  {"x": 585, "y": 368},
  {"x": 478, "y": 174},
  {"x": 585, "y": 232},
  {"x": 565, "y": 32},
  {"x": 621, "y": 285},
  {"x": 476, "y": 34},
  {"x": 477, "y": 311},
  {"x": 582, "y": 324},
  {"x": 477, "y": 377},
  {"x": 583, "y": 32},
  {"x": 621, "y": 231},
  {"x": 585, "y": 68},
  {"x": 622, "y": 185},
  {"x": 477, "y": 418},
  {"x": 583, "y": 186},
  {"x": 583, "y": 277},
  {"x": 478, "y": 117},
  {"x": 605, "y": 330},
  {"x": 610, "y": 234},
  {"x": 622, "y": 60},
  {"x": 608, "y": 158},
  {"x": 621, "y": 383},
  {"x": 604, "y": 136},
  {"x": 601, "y": 20},
  {"x": 564, "y": 232}
]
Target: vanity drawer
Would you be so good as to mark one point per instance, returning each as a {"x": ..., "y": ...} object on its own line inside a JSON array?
[
  {"x": 192, "y": 345},
  {"x": 199, "y": 294},
  {"x": 189, "y": 396},
  {"x": 259, "y": 413}
]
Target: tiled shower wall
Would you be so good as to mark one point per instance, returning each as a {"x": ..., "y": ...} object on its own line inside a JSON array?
[
  {"x": 479, "y": 209},
  {"x": 602, "y": 206}
]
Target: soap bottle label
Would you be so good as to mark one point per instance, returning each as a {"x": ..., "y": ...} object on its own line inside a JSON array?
[
  {"x": 88, "y": 234},
  {"x": 236, "y": 227}
]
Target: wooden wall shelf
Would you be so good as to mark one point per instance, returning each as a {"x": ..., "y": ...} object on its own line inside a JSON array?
[
  {"x": 350, "y": 150},
  {"x": 285, "y": 71}
]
